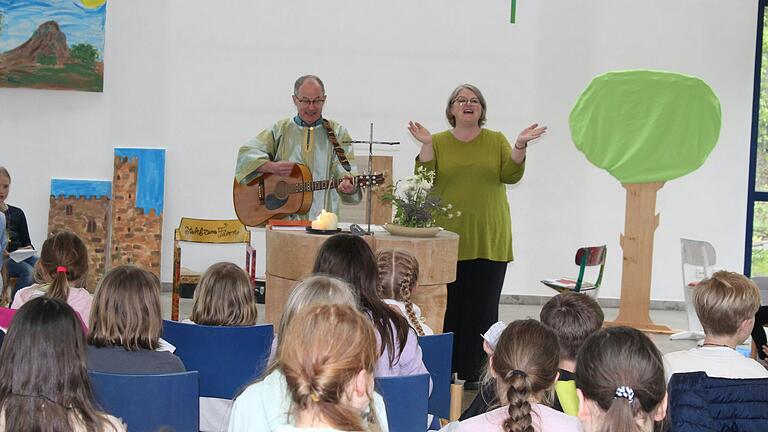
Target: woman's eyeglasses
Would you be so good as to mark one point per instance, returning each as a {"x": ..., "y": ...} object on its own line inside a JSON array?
[{"x": 464, "y": 101}]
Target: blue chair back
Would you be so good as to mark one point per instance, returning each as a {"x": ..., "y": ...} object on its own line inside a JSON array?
[
  {"x": 226, "y": 357},
  {"x": 406, "y": 400},
  {"x": 436, "y": 353},
  {"x": 149, "y": 402}
]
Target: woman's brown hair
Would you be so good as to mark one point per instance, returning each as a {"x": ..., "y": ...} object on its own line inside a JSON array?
[
  {"x": 525, "y": 364},
  {"x": 622, "y": 358},
  {"x": 126, "y": 310},
  {"x": 398, "y": 275},
  {"x": 324, "y": 348},
  {"x": 63, "y": 260},
  {"x": 224, "y": 297},
  {"x": 44, "y": 384}
]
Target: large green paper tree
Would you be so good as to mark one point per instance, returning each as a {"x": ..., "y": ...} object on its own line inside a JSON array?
[{"x": 644, "y": 128}]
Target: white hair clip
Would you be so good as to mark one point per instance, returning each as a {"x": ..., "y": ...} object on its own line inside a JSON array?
[{"x": 625, "y": 392}]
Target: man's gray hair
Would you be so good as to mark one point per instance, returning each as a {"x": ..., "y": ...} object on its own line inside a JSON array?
[{"x": 301, "y": 80}]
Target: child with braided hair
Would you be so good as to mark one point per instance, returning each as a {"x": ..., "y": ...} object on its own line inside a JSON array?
[
  {"x": 60, "y": 273},
  {"x": 398, "y": 275},
  {"x": 524, "y": 365}
]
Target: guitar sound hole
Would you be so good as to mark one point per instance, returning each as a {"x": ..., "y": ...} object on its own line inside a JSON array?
[{"x": 281, "y": 190}]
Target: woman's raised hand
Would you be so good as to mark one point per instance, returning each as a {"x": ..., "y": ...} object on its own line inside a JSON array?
[
  {"x": 420, "y": 133},
  {"x": 530, "y": 133}
]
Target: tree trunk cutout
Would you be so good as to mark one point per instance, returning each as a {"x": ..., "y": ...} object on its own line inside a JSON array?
[{"x": 640, "y": 223}]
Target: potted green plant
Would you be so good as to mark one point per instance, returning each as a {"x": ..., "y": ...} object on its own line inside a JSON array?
[{"x": 416, "y": 207}]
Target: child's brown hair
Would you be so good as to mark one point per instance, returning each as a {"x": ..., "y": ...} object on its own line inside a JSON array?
[
  {"x": 573, "y": 317},
  {"x": 63, "y": 260},
  {"x": 525, "y": 368},
  {"x": 126, "y": 310},
  {"x": 224, "y": 297},
  {"x": 621, "y": 370}
]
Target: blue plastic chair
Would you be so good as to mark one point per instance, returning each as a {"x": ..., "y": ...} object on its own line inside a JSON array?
[
  {"x": 436, "y": 353},
  {"x": 226, "y": 357},
  {"x": 149, "y": 402},
  {"x": 406, "y": 400}
]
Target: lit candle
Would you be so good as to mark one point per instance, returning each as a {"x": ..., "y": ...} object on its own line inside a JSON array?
[{"x": 325, "y": 221}]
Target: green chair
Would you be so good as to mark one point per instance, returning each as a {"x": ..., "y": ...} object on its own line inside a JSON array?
[{"x": 591, "y": 256}]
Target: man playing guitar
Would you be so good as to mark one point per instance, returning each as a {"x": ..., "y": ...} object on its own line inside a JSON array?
[{"x": 320, "y": 144}]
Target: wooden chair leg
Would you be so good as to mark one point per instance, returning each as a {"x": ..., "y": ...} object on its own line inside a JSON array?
[{"x": 457, "y": 399}]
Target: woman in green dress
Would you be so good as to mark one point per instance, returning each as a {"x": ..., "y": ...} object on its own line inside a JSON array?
[{"x": 473, "y": 165}]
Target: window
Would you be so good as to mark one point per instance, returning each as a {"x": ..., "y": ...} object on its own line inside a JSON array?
[
  {"x": 756, "y": 253},
  {"x": 91, "y": 228}
]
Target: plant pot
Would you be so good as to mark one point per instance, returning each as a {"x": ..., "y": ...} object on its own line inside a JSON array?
[{"x": 405, "y": 231}]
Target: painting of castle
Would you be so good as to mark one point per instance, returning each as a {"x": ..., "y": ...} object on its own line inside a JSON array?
[
  {"x": 121, "y": 220},
  {"x": 138, "y": 187},
  {"x": 52, "y": 44},
  {"x": 83, "y": 207}
]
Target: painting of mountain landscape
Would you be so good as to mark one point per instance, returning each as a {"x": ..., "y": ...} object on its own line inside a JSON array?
[{"x": 52, "y": 44}]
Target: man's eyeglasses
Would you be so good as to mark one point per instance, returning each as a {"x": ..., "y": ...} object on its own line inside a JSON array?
[
  {"x": 464, "y": 101},
  {"x": 308, "y": 102}
]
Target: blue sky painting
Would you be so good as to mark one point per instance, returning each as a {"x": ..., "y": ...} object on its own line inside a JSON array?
[
  {"x": 81, "y": 23},
  {"x": 150, "y": 188},
  {"x": 81, "y": 188},
  {"x": 52, "y": 44}
]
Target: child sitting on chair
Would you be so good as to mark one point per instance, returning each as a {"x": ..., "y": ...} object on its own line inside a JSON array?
[
  {"x": 264, "y": 405},
  {"x": 398, "y": 275},
  {"x": 328, "y": 355},
  {"x": 60, "y": 273},
  {"x": 126, "y": 324},
  {"x": 44, "y": 383},
  {"x": 224, "y": 297},
  {"x": 726, "y": 305},
  {"x": 524, "y": 368},
  {"x": 573, "y": 317},
  {"x": 620, "y": 382}
]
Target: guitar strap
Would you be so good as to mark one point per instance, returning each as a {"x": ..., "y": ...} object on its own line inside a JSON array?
[{"x": 336, "y": 147}]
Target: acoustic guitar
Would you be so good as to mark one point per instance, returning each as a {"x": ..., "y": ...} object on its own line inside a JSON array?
[{"x": 273, "y": 196}]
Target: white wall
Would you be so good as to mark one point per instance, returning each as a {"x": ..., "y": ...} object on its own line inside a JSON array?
[{"x": 199, "y": 78}]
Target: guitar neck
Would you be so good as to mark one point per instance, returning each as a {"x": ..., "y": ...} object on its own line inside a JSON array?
[{"x": 316, "y": 185}]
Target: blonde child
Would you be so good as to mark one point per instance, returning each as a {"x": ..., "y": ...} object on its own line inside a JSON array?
[
  {"x": 18, "y": 236},
  {"x": 60, "y": 273},
  {"x": 328, "y": 357},
  {"x": 620, "y": 382},
  {"x": 398, "y": 276},
  {"x": 224, "y": 297},
  {"x": 264, "y": 406},
  {"x": 726, "y": 304}
]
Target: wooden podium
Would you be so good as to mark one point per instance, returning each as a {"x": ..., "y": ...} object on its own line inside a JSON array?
[{"x": 291, "y": 256}]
